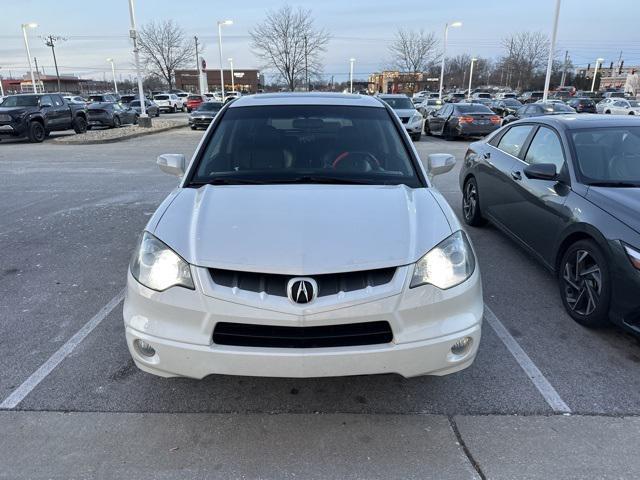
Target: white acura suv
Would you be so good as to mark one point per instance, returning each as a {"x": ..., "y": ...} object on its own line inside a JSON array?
[{"x": 304, "y": 240}]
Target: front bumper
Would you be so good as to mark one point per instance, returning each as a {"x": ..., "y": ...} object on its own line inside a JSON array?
[
  {"x": 13, "y": 129},
  {"x": 100, "y": 121},
  {"x": 426, "y": 323},
  {"x": 414, "y": 127},
  {"x": 200, "y": 121}
]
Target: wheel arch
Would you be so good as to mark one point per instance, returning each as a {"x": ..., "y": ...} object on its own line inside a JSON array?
[{"x": 575, "y": 234}]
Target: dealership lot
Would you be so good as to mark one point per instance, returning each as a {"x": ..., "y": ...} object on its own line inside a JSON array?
[{"x": 69, "y": 220}]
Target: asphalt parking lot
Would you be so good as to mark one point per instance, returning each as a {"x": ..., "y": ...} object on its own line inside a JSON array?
[{"x": 69, "y": 220}]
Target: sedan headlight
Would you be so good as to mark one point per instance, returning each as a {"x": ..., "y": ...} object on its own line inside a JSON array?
[
  {"x": 416, "y": 118},
  {"x": 446, "y": 265},
  {"x": 158, "y": 267},
  {"x": 634, "y": 256}
]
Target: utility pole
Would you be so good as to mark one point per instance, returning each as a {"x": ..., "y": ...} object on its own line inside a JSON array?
[
  {"x": 564, "y": 69},
  {"x": 195, "y": 39},
  {"x": 144, "y": 120},
  {"x": 50, "y": 41},
  {"x": 306, "y": 65}
]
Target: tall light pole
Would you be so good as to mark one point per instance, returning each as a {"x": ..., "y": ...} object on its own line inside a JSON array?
[
  {"x": 143, "y": 120},
  {"x": 351, "y": 62},
  {"x": 113, "y": 71},
  {"x": 473, "y": 60},
  {"x": 1, "y": 87},
  {"x": 552, "y": 48},
  {"x": 233, "y": 85},
  {"x": 595, "y": 72},
  {"x": 444, "y": 53},
  {"x": 220, "y": 24},
  {"x": 26, "y": 46}
]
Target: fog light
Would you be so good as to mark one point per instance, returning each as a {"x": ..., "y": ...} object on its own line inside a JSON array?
[
  {"x": 462, "y": 346},
  {"x": 143, "y": 348}
]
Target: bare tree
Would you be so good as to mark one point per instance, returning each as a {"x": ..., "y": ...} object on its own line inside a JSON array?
[
  {"x": 165, "y": 48},
  {"x": 526, "y": 54},
  {"x": 288, "y": 41},
  {"x": 414, "y": 51}
]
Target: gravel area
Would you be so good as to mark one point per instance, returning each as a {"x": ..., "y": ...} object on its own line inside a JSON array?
[{"x": 110, "y": 135}]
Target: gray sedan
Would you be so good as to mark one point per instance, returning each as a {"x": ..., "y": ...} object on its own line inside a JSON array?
[{"x": 152, "y": 108}]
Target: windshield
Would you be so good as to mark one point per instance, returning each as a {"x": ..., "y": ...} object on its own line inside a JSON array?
[
  {"x": 398, "y": 103},
  {"x": 608, "y": 155},
  {"x": 306, "y": 144},
  {"x": 21, "y": 101},
  {"x": 209, "y": 107},
  {"x": 634, "y": 103}
]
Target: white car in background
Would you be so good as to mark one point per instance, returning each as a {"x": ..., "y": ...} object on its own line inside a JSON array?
[
  {"x": 621, "y": 106},
  {"x": 169, "y": 102},
  {"x": 75, "y": 99},
  {"x": 305, "y": 239}
]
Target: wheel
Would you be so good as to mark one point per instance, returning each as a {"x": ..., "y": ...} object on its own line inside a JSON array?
[
  {"x": 88, "y": 127},
  {"x": 427, "y": 130},
  {"x": 584, "y": 284},
  {"x": 448, "y": 134},
  {"x": 193, "y": 127},
  {"x": 471, "y": 204},
  {"x": 608, "y": 112},
  {"x": 158, "y": 113},
  {"x": 188, "y": 110},
  {"x": 116, "y": 122},
  {"x": 80, "y": 125},
  {"x": 173, "y": 109},
  {"x": 631, "y": 113},
  {"x": 182, "y": 108},
  {"x": 36, "y": 133},
  {"x": 135, "y": 120}
]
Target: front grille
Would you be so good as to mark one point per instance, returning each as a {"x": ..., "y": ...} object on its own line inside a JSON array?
[
  {"x": 404, "y": 119},
  {"x": 328, "y": 283},
  {"x": 349, "y": 335}
]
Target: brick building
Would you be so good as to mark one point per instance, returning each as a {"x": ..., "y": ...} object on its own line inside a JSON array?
[{"x": 245, "y": 80}]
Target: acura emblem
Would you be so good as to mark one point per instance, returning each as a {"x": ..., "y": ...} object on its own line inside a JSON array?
[{"x": 302, "y": 290}]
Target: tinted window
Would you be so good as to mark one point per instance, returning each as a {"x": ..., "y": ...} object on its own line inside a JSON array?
[
  {"x": 21, "y": 101},
  {"x": 46, "y": 100},
  {"x": 194, "y": 97},
  {"x": 398, "y": 103},
  {"x": 609, "y": 154},
  {"x": 57, "y": 100},
  {"x": 473, "y": 108},
  {"x": 306, "y": 143},
  {"x": 512, "y": 141},
  {"x": 545, "y": 148},
  {"x": 161, "y": 97},
  {"x": 510, "y": 102}
]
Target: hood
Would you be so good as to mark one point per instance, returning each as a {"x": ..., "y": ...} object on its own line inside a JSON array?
[
  {"x": 302, "y": 229},
  {"x": 405, "y": 112},
  {"x": 621, "y": 203},
  {"x": 16, "y": 110}
]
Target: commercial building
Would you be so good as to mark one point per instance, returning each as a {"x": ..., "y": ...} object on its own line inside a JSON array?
[
  {"x": 49, "y": 83},
  {"x": 244, "y": 80},
  {"x": 390, "y": 81}
]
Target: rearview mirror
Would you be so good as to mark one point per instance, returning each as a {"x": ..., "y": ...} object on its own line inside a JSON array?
[
  {"x": 440, "y": 163},
  {"x": 172, "y": 163},
  {"x": 541, "y": 171}
]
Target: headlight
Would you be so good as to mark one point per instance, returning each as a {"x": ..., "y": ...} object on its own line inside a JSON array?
[
  {"x": 634, "y": 256},
  {"x": 416, "y": 118},
  {"x": 448, "y": 264},
  {"x": 158, "y": 267}
]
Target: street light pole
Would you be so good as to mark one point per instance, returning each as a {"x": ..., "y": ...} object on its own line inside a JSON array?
[
  {"x": 595, "y": 72},
  {"x": 444, "y": 53},
  {"x": 26, "y": 45},
  {"x": 195, "y": 39},
  {"x": 1, "y": 87},
  {"x": 552, "y": 47},
  {"x": 233, "y": 85},
  {"x": 220, "y": 24},
  {"x": 113, "y": 71},
  {"x": 143, "y": 120},
  {"x": 351, "y": 61},
  {"x": 473, "y": 60}
]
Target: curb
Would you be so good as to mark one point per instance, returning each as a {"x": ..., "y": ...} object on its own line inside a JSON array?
[{"x": 60, "y": 141}]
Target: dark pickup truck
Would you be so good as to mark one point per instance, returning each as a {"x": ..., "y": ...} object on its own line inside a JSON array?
[{"x": 36, "y": 115}]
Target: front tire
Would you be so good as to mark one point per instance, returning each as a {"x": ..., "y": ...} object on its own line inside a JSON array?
[
  {"x": 585, "y": 285},
  {"x": 448, "y": 133},
  {"x": 471, "y": 204},
  {"x": 116, "y": 122},
  {"x": 36, "y": 132},
  {"x": 427, "y": 130}
]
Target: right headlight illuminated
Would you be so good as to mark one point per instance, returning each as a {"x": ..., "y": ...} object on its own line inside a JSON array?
[
  {"x": 158, "y": 267},
  {"x": 446, "y": 265}
]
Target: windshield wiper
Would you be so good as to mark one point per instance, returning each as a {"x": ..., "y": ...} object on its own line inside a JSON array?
[
  {"x": 228, "y": 181},
  {"x": 322, "y": 179},
  {"x": 615, "y": 184}
]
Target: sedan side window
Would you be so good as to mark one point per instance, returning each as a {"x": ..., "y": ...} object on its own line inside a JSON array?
[
  {"x": 546, "y": 148},
  {"x": 512, "y": 141}
]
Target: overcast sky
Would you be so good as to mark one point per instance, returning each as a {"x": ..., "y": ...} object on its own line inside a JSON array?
[{"x": 96, "y": 30}]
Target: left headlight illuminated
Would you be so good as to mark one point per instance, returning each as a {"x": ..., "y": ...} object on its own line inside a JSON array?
[
  {"x": 446, "y": 265},
  {"x": 158, "y": 267}
]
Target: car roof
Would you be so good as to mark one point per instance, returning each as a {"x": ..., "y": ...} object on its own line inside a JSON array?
[
  {"x": 578, "y": 121},
  {"x": 312, "y": 98}
]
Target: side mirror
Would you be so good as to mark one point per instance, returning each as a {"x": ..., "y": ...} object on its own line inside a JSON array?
[
  {"x": 172, "y": 163},
  {"x": 541, "y": 171},
  {"x": 440, "y": 163},
  {"x": 46, "y": 105}
]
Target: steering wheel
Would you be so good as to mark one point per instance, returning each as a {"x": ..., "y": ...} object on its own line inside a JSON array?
[{"x": 356, "y": 159}]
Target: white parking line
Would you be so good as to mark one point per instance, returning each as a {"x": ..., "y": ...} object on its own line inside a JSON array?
[
  {"x": 545, "y": 388},
  {"x": 54, "y": 360}
]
